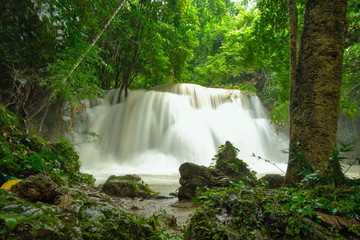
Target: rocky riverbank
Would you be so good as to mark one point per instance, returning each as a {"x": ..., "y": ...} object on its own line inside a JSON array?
[{"x": 46, "y": 211}]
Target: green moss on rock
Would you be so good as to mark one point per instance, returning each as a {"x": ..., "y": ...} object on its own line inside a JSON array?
[{"x": 127, "y": 186}]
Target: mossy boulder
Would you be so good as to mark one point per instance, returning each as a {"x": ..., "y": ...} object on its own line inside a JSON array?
[
  {"x": 193, "y": 176},
  {"x": 273, "y": 180},
  {"x": 127, "y": 186},
  {"x": 228, "y": 168},
  {"x": 37, "y": 188}
]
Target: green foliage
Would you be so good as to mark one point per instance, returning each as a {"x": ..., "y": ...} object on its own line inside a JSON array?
[
  {"x": 228, "y": 149},
  {"x": 280, "y": 114},
  {"x": 233, "y": 55},
  {"x": 248, "y": 88},
  {"x": 148, "y": 43},
  {"x": 350, "y": 90},
  {"x": 212, "y": 43},
  {"x": 330, "y": 173},
  {"x": 23, "y": 154},
  {"x": 8, "y": 120},
  {"x": 247, "y": 211},
  {"x": 252, "y": 211},
  {"x": 11, "y": 220},
  {"x": 253, "y": 51},
  {"x": 38, "y": 221},
  {"x": 77, "y": 85},
  {"x": 123, "y": 226},
  {"x": 50, "y": 36}
]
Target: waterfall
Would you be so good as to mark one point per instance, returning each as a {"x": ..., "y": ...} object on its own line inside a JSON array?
[{"x": 154, "y": 131}]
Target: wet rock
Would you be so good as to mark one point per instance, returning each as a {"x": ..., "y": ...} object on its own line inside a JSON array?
[
  {"x": 92, "y": 213},
  {"x": 193, "y": 176},
  {"x": 74, "y": 192},
  {"x": 132, "y": 177},
  {"x": 25, "y": 210},
  {"x": 65, "y": 202},
  {"x": 167, "y": 221},
  {"x": 228, "y": 168},
  {"x": 274, "y": 180},
  {"x": 174, "y": 194},
  {"x": 134, "y": 208},
  {"x": 161, "y": 196},
  {"x": 76, "y": 206},
  {"x": 126, "y": 186},
  {"x": 318, "y": 232},
  {"x": 185, "y": 204},
  {"x": 37, "y": 188}
]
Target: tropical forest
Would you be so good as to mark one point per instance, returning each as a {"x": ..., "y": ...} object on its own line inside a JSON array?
[{"x": 180, "y": 119}]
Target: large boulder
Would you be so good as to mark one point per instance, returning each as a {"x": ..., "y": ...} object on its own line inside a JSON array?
[
  {"x": 273, "y": 180},
  {"x": 193, "y": 176},
  {"x": 228, "y": 168},
  {"x": 126, "y": 186},
  {"x": 37, "y": 188}
]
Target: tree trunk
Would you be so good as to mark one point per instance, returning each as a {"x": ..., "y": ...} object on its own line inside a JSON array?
[
  {"x": 314, "y": 107},
  {"x": 293, "y": 41}
]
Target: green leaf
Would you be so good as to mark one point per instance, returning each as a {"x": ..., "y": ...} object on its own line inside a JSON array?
[
  {"x": 12, "y": 220},
  {"x": 36, "y": 165}
]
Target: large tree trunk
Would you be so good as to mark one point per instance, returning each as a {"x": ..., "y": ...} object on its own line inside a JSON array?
[
  {"x": 314, "y": 106},
  {"x": 293, "y": 41}
]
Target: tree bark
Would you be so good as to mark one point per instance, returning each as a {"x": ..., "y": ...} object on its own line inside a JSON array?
[
  {"x": 314, "y": 107},
  {"x": 293, "y": 41}
]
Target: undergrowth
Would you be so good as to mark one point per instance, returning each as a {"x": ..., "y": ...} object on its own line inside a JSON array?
[
  {"x": 23, "y": 154},
  {"x": 250, "y": 212},
  {"x": 318, "y": 205}
]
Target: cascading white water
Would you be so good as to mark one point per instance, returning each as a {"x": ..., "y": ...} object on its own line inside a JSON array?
[{"x": 153, "y": 132}]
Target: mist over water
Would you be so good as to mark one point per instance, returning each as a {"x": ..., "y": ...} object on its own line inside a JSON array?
[{"x": 153, "y": 132}]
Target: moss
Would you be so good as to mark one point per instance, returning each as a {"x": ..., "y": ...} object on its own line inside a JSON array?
[
  {"x": 226, "y": 161},
  {"x": 126, "y": 186},
  {"x": 8, "y": 120}
]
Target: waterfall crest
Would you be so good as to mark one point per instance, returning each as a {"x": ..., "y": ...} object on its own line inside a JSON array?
[{"x": 154, "y": 131}]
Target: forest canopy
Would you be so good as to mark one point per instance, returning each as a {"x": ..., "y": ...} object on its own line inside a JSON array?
[{"x": 217, "y": 43}]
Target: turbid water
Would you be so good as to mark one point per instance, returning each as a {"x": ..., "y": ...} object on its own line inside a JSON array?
[{"x": 151, "y": 133}]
